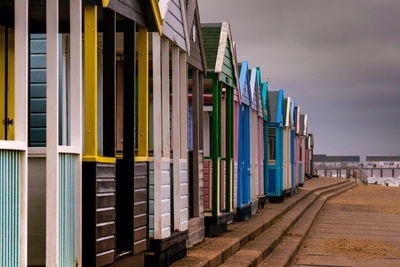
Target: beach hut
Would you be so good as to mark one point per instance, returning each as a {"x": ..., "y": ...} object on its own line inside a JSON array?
[
  {"x": 220, "y": 82},
  {"x": 275, "y": 182},
  {"x": 266, "y": 118},
  {"x": 296, "y": 120},
  {"x": 311, "y": 155},
  {"x": 254, "y": 147},
  {"x": 262, "y": 198},
  {"x": 303, "y": 134},
  {"x": 115, "y": 169},
  {"x": 243, "y": 210},
  {"x": 197, "y": 67},
  {"x": 287, "y": 176},
  {"x": 292, "y": 147},
  {"x": 169, "y": 169}
]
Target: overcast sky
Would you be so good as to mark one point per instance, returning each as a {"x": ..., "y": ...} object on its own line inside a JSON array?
[{"x": 338, "y": 59}]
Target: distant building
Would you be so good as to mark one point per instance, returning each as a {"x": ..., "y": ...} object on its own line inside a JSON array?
[
  {"x": 322, "y": 160},
  {"x": 382, "y": 162}
]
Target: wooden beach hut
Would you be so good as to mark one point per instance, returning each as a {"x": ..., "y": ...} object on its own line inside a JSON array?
[
  {"x": 219, "y": 84},
  {"x": 266, "y": 119},
  {"x": 169, "y": 210},
  {"x": 292, "y": 147},
  {"x": 197, "y": 68},
  {"x": 262, "y": 115},
  {"x": 254, "y": 134},
  {"x": 243, "y": 210},
  {"x": 286, "y": 147},
  {"x": 297, "y": 147},
  {"x": 275, "y": 180},
  {"x": 115, "y": 161},
  {"x": 303, "y": 135}
]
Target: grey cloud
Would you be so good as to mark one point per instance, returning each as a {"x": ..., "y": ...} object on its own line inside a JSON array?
[{"x": 339, "y": 60}]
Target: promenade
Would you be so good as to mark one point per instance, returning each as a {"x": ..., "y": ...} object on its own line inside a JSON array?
[{"x": 358, "y": 228}]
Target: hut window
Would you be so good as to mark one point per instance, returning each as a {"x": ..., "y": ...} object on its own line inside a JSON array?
[{"x": 272, "y": 143}]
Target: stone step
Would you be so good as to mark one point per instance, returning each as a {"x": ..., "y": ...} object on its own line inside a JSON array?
[
  {"x": 257, "y": 250},
  {"x": 286, "y": 251},
  {"x": 213, "y": 251}
]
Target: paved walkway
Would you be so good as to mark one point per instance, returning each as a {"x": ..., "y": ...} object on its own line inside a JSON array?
[
  {"x": 214, "y": 250},
  {"x": 358, "y": 228}
]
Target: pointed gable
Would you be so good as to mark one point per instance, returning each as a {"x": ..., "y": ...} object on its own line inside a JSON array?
[
  {"x": 286, "y": 112},
  {"x": 266, "y": 102},
  {"x": 173, "y": 13},
  {"x": 254, "y": 89},
  {"x": 219, "y": 52},
  {"x": 292, "y": 106},
  {"x": 276, "y": 101},
  {"x": 297, "y": 119},
  {"x": 197, "y": 56},
  {"x": 244, "y": 83},
  {"x": 259, "y": 88},
  {"x": 237, "y": 94}
]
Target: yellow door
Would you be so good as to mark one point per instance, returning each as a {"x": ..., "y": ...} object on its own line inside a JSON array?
[{"x": 7, "y": 94}]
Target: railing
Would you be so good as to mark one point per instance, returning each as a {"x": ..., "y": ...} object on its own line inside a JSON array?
[
  {"x": 67, "y": 177},
  {"x": 9, "y": 207}
]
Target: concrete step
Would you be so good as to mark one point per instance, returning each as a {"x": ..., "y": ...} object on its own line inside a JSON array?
[
  {"x": 215, "y": 250},
  {"x": 285, "y": 252},
  {"x": 257, "y": 250}
]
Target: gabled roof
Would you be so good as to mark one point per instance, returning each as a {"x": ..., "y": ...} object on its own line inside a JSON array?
[
  {"x": 286, "y": 112},
  {"x": 265, "y": 101},
  {"x": 276, "y": 101},
  {"x": 297, "y": 119},
  {"x": 244, "y": 81},
  {"x": 173, "y": 14},
  {"x": 218, "y": 45},
  {"x": 303, "y": 124},
  {"x": 259, "y": 88},
  {"x": 197, "y": 56},
  {"x": 237, "y": 95},
  {"x": 264, "y": 97},
  {"x": 292, "y": 106},
  {"x": 254, "y": 89}
]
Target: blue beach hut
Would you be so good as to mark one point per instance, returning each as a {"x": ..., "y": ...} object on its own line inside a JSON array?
[
  {"x": 267, "y": 118},
  {"x": 275, "y": 145},
  {"x": 243, "y": 192}
]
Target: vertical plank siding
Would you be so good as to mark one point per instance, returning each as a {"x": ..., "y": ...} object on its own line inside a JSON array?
[
  {"x": 9, "y": 208},
  {"x": 67, "y": 176}
]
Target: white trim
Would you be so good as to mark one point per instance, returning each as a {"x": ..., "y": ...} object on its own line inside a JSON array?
[
  {"x": 185, "y": 26},
  {"x": 21, "y": 118},
  {"x": 69, "y": 149},
  {"x": 166, "y": 145},
  {"x": 75, "y": 111},
  {"x": 52, "y": 180},
  {"x": 176, "y": 136},
  {"x": 157, "y": 136},
  {"x": 12, "y": 145}
]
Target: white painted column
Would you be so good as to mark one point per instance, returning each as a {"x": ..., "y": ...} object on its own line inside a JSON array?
[
  {"x": 166, "y": 144},
  {"x": 76, "y": 114},
  {"x": 176, "y": 130},
  {"x": 157, "y": 128},
  {"x": 21, "y": 117},
  {"x": 52, "y": 180},
  {"x": 184, "y": 165}
]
